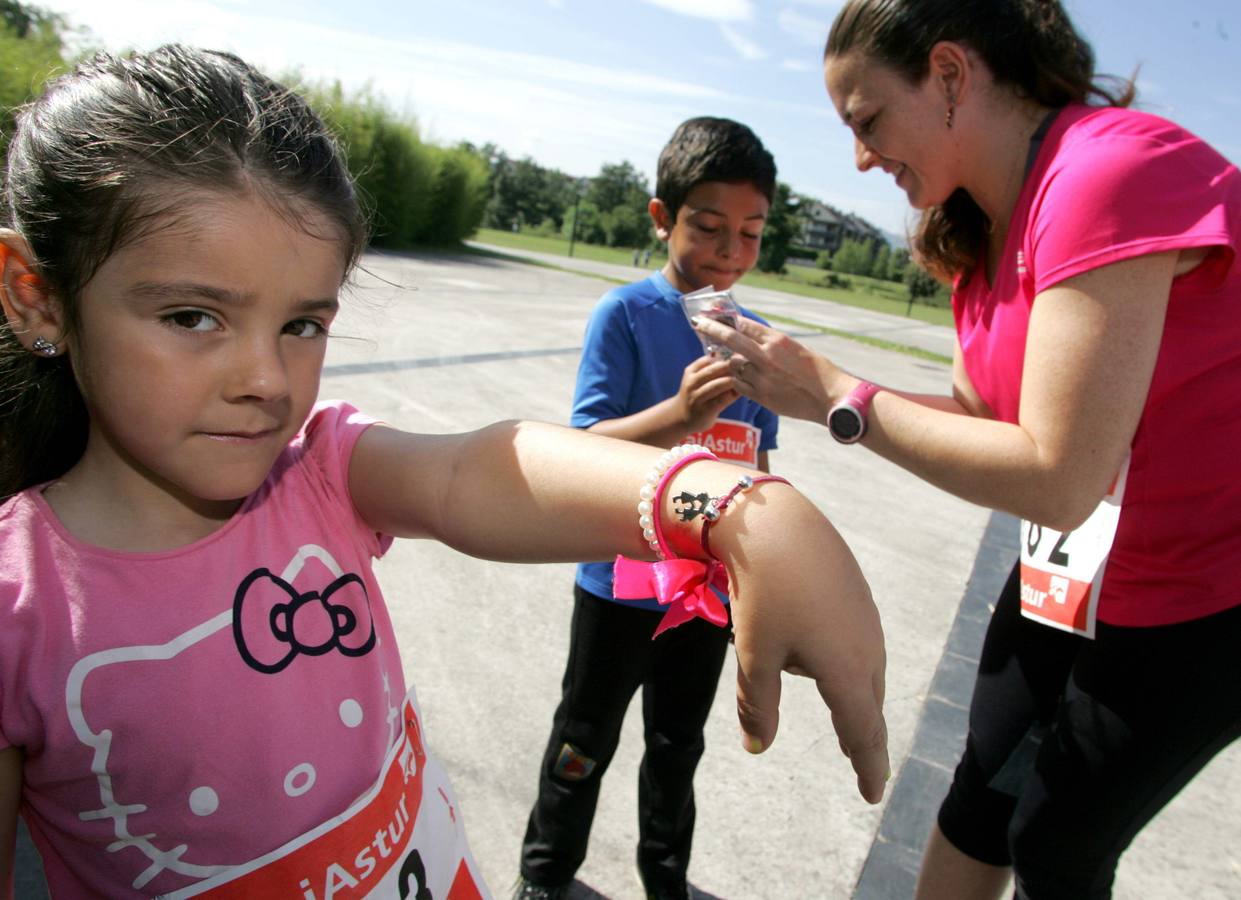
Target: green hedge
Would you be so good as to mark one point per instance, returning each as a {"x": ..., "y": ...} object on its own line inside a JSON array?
[{"x": 416, "y": 193}]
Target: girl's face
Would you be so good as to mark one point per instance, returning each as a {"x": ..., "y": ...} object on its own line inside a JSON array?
[
  {"x": 897, "y": 126},
  {"x": 200, "y": 349}
]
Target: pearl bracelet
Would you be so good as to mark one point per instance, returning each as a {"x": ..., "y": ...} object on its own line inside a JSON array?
[{"x": 652, "y": 491}]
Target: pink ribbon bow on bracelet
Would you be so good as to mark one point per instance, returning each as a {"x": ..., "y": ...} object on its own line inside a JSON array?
[{"x": 682, "y": 585}]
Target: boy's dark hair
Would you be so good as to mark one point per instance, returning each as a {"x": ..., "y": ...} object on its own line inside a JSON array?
[
  {"x": 711, "y": 149},
  {"x": 106, "y": 155}
]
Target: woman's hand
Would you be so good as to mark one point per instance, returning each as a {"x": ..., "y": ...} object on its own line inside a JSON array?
[{"x": 776, "y": 370}]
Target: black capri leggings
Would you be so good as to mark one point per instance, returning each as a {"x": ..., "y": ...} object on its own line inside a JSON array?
[{"x": 1075, "y": 744}]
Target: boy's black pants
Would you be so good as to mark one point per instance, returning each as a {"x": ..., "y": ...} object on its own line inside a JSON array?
[{"x": 610, "y": 654}]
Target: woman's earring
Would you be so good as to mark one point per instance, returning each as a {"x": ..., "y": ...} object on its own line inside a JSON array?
[
  {"x": 44, "y": 347},
  {"x": 952, "y": 108}
]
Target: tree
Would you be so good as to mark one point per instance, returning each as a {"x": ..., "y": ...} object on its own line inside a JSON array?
[
  {"x": 898, "y": 261},
  {"x": 416, "y": 193},
  {"x": 883, "y": 259},
  {"x": 523, "y": 191},
  {"x": 457, "y": 196},
  {"x": 618, "y": 184},
  {"x": 590, "y": 227},
  {"x": 853, "y": 257},
  {"x": 626, "y": 227},
  {"x": 31, "y": 51},
  {"x": 778, "y": 231},
  {"x": 919, "y": 283}
]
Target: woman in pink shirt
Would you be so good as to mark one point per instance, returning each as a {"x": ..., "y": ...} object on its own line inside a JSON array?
[{"x": 1091, "y": 249}]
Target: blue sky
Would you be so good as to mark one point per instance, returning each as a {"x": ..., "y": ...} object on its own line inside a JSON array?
[{"x": 579, "y": 83}]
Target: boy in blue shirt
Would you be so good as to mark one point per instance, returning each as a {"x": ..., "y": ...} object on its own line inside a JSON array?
[{"x": 643, "y": 377}]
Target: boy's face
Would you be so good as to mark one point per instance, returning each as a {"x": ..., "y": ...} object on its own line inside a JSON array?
[{"x": 716, "y": 236}]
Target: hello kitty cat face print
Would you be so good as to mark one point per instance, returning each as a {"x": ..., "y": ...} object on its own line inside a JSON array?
[{"x": 259, "y": 713}]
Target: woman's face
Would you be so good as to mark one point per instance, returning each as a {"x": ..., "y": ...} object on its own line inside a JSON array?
[{"x": 897, "y": 126}]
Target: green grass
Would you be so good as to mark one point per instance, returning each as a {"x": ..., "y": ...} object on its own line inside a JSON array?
[
  {"x": 805, "y": 281},
  {"x": 543, "y": 264},
  {"x": 560, "y": 246},
  {"x": 907, "y": 349}
]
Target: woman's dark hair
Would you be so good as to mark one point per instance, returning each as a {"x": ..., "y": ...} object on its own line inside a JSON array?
[
  {"x": 711, "y": 149},
  {"x": 107, "y": 155},
  {"x": 1030, "y": 45}
]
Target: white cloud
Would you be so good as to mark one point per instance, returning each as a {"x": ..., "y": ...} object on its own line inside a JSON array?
[
  {"x": 808, "y": 30},
  {"x": 356, "y": 57},
  {"x": 715, "y": 10},
  {"x": 569, "y": 115},
  {"x": 746, "y": 48}
]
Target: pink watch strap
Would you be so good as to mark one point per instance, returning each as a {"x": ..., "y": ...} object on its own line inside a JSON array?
[{"x": 859, "y": 397}]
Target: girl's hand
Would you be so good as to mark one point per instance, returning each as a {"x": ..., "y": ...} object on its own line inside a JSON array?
[
  {"x": 706, "y": 389},
  {"x": 776, "y": 370},
  {"x": 801, "y": 605}
]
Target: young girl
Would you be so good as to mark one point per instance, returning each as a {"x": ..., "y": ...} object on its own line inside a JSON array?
[{"x": 199, "y": 685}]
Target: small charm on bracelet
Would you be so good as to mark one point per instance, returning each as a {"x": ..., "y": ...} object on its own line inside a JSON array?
[{"x": 689, "y": 506}]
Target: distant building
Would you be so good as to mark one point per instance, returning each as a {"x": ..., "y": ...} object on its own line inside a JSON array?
[{"x": 824, "y": 227}]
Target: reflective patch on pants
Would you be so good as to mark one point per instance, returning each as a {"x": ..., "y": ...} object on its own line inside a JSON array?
[{"x": 572, "y": 765}]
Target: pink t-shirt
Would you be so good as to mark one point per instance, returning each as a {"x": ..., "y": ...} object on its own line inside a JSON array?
[
  {"x": 1107, "y": 185},
  {"x": 189, "y": 710}
]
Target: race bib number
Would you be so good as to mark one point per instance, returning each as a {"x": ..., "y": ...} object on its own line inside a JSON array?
[
  {"x": 1062, "y": 571},
  {"x": 402, "y": 838},
  {"x": 732, "y": 441}
]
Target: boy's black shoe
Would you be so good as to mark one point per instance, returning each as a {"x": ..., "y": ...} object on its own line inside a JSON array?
[
  {"x": 528, "y": 890},
  {"x": 677, "y": 890},
  {"x": 670, "y": 892}
]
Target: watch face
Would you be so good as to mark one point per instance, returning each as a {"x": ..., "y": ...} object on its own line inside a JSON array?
[{"x": 846, "y": 424}]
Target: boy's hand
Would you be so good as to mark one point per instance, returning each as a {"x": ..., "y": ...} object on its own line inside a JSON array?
[{"x": 706, "y": 389}]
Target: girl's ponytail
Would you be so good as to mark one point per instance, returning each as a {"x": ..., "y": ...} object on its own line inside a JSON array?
[{"x": 42, "y": 419}]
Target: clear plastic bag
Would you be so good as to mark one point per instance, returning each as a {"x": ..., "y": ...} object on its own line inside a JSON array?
[{"x": 717, "y": 305}]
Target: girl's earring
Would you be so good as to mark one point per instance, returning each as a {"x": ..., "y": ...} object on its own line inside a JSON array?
[
  {"x": 952, "y": 108},
  {"x": 44, "y": 347}
]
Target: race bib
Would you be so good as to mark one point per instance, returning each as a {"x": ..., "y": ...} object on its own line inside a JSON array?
[
  {"x": 731, "y": 441},
  {"x": 403, "y": 838},
  {"x": 1062, "y": 572}
]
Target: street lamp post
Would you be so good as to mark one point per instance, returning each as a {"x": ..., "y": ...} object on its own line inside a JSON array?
[{"x": 577, "y": 203}]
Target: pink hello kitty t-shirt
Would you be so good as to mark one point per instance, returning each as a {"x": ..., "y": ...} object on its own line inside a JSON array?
[{"x": 188, "y": 711}]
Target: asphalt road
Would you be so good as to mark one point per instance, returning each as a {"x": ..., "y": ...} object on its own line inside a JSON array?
[{"x": 446, "y": 343}]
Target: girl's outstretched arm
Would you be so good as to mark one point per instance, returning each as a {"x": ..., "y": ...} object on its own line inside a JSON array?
[
  {"x": 543, "y": 493},
  {"x": 10, "y": 798}
]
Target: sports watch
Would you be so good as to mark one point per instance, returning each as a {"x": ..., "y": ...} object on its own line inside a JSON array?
[{"x": 847, "y": 419}]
